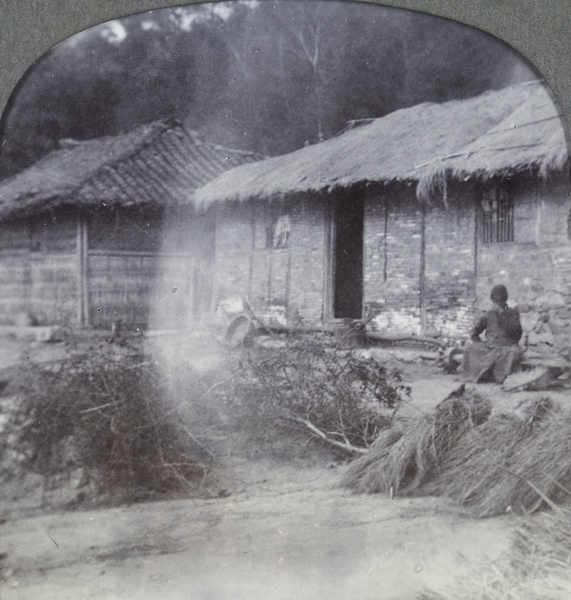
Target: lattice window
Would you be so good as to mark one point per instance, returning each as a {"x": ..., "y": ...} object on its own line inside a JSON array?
[{"x": 497, "y": 216}]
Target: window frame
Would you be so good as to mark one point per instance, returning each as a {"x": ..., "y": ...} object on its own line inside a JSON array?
[
  {"x": 497, "y": 215},
  {"x": 275, "y": 230}
]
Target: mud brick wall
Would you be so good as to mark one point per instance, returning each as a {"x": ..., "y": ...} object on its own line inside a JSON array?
[
  {"x": 450, "y": 263},
  {"x": 392, "y": 242},
  {"x": 536, "y": 267},
  {"x": 125, "y": 230},
  {"x": 282, "y": 284},
  {"x": 268, "y": 293},
  {"x": 245, "y": 266},
  {"x": 308, "y": 261},
  {"x": 122, "y": 266},
  {"x": 233, "y": 251},
  {"x": 459, "y": 268},
  {"x": 171, "y": 297},
  {"x": 38, "y": 270}
]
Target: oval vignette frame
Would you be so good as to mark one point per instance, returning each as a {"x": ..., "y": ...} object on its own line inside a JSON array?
[{"x": 482, "y": 4}]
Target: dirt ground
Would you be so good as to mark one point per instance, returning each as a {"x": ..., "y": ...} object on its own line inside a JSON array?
[{"x": 280, "y": 530}]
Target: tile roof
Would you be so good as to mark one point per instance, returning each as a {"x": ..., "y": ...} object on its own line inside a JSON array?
[{"x": 157, "y": 164}]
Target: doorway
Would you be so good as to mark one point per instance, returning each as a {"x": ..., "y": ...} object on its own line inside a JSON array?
[{"x": 348, "y": 259}]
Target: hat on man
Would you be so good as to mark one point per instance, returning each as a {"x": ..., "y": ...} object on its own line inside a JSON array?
[{"x": 499, "y": 294}]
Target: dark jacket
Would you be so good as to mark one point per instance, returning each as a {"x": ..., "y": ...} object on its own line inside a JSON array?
[{"x": 502, "y": 327}]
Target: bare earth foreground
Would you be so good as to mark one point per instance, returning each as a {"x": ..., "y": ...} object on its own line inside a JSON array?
[
  {"x": 286, "y": 531},
  {"x": 292, "y": 535}
]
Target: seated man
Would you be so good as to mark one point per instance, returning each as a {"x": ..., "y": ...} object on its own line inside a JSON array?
[{"x": 499, "y": 355}]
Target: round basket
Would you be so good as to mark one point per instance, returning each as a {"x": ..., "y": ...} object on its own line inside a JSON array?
[{"x": 238, "y": 331}]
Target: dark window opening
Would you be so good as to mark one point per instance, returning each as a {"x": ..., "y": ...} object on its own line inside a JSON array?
[{"x": 497, "y": 216}]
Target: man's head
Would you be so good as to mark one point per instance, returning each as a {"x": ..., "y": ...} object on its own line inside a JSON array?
[{"x": 499, "y": 294}]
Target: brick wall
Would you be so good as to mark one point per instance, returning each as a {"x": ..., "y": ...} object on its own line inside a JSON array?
[
  {"x": 185, "y": 265},
  {"x": 459, "y": 269},
  {"x": 450, "y": 263},
  {"x": 233, "y": 251},
  {"x": 309, "y": 261},
  {"x": 269, "y": 277},
  {"x": 40, "y": 271},
  {"x": 282, "y": 284},
  {"x": 392, "y": 242},
  {"x": 536, "y": 266}
]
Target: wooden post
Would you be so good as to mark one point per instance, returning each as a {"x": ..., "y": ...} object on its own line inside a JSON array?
[
  {"x": 386, "y": 233},
  {"x": 327, "y": 311},
  {"x": 82, "y": 259},
  {"x": 252, "y": 250},
  {"x": 85, "y": 273},
  {"x": 269, "y": 221},
  {"x": 422, "y": 270},
  {"x": 477, "y": 199},
  {"x": 288, "y": 267},
  {"x": 79, "y": 250},
  {"x": 476, "y": 236}
]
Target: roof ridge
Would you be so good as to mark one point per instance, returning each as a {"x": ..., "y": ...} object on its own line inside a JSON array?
[{"x": 161, "y": 126}]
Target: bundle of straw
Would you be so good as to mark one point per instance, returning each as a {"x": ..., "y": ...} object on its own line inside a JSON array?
[
  {"x": 491, "y": 465},
  {"x": 538, "y": 566},
  {"x": 409, "y": 454},
  {"x": 479, "y": 464},
  {"x": 511, "y": 464}
]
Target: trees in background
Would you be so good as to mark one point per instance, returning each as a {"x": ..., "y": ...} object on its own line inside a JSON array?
[{"x": 263, "y": 76}]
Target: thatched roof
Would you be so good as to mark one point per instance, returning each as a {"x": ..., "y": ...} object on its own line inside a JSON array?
[
  {"x": 532, "y": 138},
  {"x": 156, "y": 164},
  {"x": 402, "y": 146}
]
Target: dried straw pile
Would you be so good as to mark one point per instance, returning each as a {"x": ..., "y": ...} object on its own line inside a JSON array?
[
  {"x": 409, "y": 454},
  {"x": 491, "y": 465},
  {"x": 510, "y": 463},
  {"x": 538, "y": 567}
]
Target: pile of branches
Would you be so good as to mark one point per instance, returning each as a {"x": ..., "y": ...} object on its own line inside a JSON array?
[
  {"x": 107, "y": 410},
  {"x": 334, "y": 395},
  {"x": 491, "y": 465},
  {"x": 537, "y": 567}
]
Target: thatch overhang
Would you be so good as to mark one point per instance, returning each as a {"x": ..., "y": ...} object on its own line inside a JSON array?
[
  {"x": 531, "y": 139},
  {"x": 155, "y": 165},
  {"x": 403, "y": 146}
]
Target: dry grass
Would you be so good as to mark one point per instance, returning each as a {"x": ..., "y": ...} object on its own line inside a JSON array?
[
  {"x": 530, "y": 138},
  {"x": 510, "y": 463},
  {"x": 415, "y": 144},
  {"x": 513, "y": 463},
  {"x": 409, "y": 455},
  {"x": 538, "y": 566}
]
